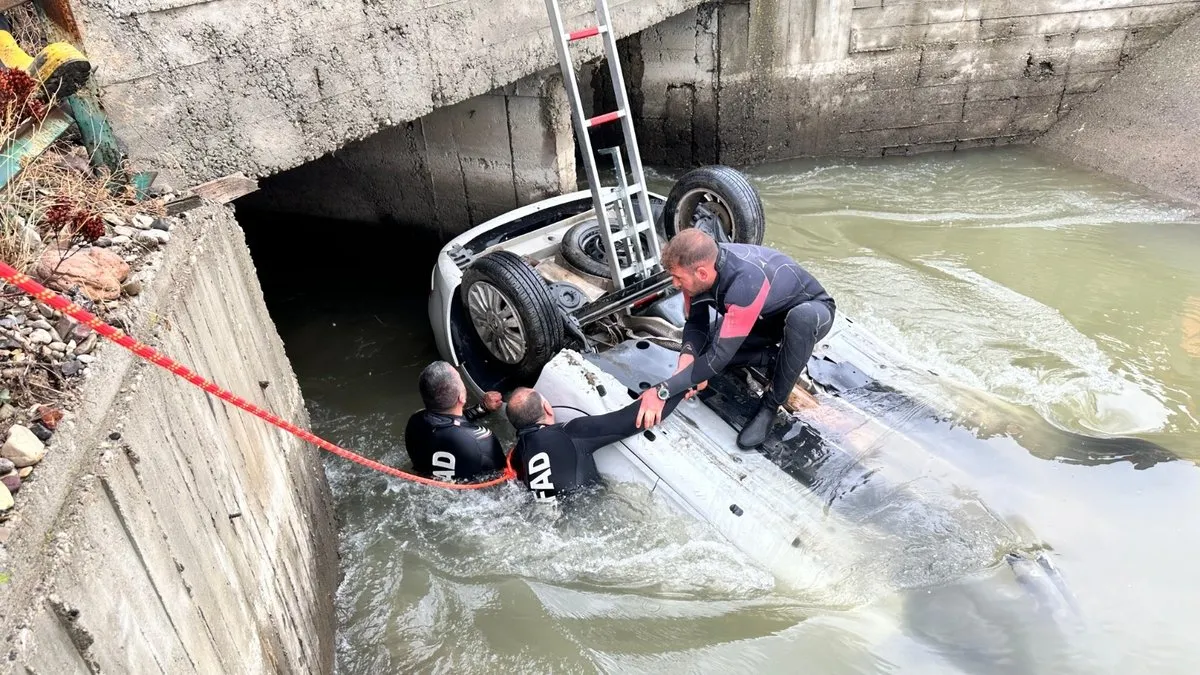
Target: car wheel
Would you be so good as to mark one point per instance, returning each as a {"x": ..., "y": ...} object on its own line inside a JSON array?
[
  {"x": 512, "y": 312},
  {"x": 719, "y": 200},
  {"x": 583, "y": 248}
]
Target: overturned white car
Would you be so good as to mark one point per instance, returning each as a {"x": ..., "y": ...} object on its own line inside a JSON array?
[{"x": 837, "y": 500}]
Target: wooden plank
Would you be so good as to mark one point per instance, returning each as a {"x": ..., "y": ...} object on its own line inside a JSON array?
[
  {"x": 178, "y": 206},
  {"x": 226, "y": 188},
  {"x": 30, "y": 142}
]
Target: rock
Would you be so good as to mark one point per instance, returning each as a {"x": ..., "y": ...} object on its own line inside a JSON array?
[
  {"x": 5, "y": 533},
  {"x": 6, "y": 466},
  {"x": 71, "y": 347},
  {"x": 121, "y": 240},
  {"x": 85, "y": 358},
  {"x": 40, "y": 431},
  {"x": 142, "y": 222},
  {"x": 7, "y": 411},
  {"x": 97, "y": 271},
  {"x": 12, "y": 482},
  {"x": 71, "y": 368},
  {"x": 10, "y": 322},
  {"x": 24, "y": 472},
  {"x": 64, "y": 325},
  {"x": 113, "y": 219},
  {"x": 49, "y": 416},
  {"x": 45, "y": 310},
  {"x": 152, "y": 238},
  {"x": 58, "y": 346},
  {"x": 41, "y": 337},
  {"x": 88, "y": 344},
  {"x": 71, "y": 330},
  {"x": 41, "y": 323},
  {"x": 125, "y": 231},
  {"x": 30, "y": 239},
  {"x": 22, "y": 447},
  {"x": 132, "y": 288},
  {"x": 104, "y": 242},
  {"x": 161, "y": 224},
  {"x": 6, "y": 499}
]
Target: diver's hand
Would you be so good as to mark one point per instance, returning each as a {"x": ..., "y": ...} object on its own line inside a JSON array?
[
  {"x": 695, "y": 390},
  {"x": 492, "y": 401},
  {"x": 651, "y": 411}
]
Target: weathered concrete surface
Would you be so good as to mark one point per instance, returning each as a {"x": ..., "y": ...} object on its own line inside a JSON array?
[
  {"x": 1144, "y": 125},
  {"x": 451, "y": 169},
  {"x": 201, "y": 540},
  {"x": 742, "y": 82},
  {"x": 203, "y": 88}
]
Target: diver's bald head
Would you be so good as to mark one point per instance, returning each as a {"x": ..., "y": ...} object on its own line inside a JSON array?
[{"x": 526, "y": 407}]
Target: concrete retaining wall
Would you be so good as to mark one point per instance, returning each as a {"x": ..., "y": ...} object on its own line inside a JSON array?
[
  {"x": 1144, "y": 125},
  {"x": 199, "y": 540},
  {"x": 204, "y": 88},
  {"x": 449, "y": 170},
  {"x": 741, "y": 82}
]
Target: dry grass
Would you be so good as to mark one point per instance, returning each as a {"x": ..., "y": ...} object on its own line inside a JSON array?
[{"x": 28, "y": 28}]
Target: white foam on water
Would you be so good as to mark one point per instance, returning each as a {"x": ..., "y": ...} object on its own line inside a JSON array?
[{"x": 985, "y": 335}]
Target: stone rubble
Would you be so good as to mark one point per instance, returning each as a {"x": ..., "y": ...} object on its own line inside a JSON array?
[{"x": 44, "y": 354}]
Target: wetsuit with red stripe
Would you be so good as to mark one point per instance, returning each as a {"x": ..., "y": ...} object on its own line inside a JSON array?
[{"x": 771, "y": 311}]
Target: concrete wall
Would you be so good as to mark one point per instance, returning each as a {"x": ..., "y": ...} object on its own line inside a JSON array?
[
  {"x": 1144, "y": 125},
  {"x": 203, "y": 88},
  {"x": 740, "y": 82},
  {"x": 203, "y": 539},
  {"x": 451, "y": 169}
]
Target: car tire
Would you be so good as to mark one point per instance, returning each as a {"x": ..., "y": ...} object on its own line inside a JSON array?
[
  {"x": 711, "y": 195},
  {"x": 512, "y": 312},
  {"x": 583, "y": 249}
]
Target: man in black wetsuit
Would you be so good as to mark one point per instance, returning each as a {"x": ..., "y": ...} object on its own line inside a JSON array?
[
  {"x": 554, "y": 460},
  {"x": 443, "y": 440},
  {"x": 771, "y": 312}
]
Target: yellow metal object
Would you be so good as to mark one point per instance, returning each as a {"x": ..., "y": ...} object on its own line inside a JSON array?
[
  {"x": 11, "y": 53},
  {"x": 60, "y": 68}
]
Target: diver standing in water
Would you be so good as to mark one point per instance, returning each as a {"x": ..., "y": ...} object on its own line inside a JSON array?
[
  {"x": 555, "y": 459},
  {"x": 771, "y": 312},
  {"x": 443, "y": 440}
]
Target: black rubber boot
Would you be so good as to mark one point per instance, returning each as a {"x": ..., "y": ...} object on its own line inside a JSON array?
[{"x": 755, "y": 431}]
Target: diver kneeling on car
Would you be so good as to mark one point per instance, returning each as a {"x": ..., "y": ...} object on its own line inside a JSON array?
[{"x": 771, "y": 313}]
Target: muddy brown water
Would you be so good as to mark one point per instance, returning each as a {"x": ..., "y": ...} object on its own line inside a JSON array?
[{"x": 1071, "y": 298}]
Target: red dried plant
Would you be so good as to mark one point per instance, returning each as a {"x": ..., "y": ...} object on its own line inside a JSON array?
[
  {"x": 19, "y": 98},
  {"x": 76, "y": 220}
]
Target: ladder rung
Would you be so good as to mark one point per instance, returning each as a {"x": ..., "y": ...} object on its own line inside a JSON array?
[
  {"x": 584, "y": 33},
  {"x": 605, "y": 118},
  {"x": 615, "y": 196}
]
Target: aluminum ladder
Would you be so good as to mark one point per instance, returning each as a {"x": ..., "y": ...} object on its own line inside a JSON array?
[{"x": 628, "y": 230}]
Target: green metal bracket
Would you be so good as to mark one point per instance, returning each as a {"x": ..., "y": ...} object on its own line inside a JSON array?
[
  {"x": 29, "y": 142},
  {"x": 95, "y": 131}
]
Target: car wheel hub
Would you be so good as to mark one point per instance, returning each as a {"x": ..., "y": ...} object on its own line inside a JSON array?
[
  {"x": 700, "y": 205},
  {"x": 497, "y": 322}
]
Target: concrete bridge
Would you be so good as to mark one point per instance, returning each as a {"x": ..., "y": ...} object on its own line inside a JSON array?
[{"x": 445, "y": 113}]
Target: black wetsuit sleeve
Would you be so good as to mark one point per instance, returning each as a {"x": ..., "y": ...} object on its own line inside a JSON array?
[
  {"x": 475, "y": 412},
  {"x": 593, "y": 432},
  {"x": 743, "y": 304},
  {"x": 695, "y": 328}
]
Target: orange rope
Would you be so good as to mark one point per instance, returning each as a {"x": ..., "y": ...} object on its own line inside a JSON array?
[{"x": 150, "y": 354}]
